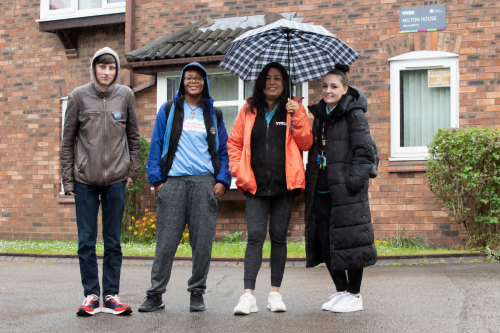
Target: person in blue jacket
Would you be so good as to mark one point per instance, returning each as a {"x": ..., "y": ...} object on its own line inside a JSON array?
[{"x": 188, "y": 167}]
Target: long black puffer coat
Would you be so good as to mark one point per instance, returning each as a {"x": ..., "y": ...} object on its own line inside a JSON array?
[{"x": 349, "y": 156}]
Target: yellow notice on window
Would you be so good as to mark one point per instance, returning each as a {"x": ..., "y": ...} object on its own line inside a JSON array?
[{"x": 438, "y": 77}]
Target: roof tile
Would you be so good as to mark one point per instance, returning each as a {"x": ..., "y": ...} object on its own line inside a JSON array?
[{"x": 197, "y": 39}]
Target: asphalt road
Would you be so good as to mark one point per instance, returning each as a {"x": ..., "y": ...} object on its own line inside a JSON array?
[{"x": 43, "y": 297}]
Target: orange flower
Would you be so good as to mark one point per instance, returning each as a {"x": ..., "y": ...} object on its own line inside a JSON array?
[
  {"x": 155, "y": 232},
  {"x": 149, "y": 236}
]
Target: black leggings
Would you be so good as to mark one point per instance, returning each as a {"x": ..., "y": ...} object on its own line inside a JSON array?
[
  {"x": 350, "y": 282},
  {"x": 257, "y": 210}
]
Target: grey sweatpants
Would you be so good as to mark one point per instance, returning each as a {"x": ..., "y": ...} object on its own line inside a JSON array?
[{"x": 184, "y": 200}]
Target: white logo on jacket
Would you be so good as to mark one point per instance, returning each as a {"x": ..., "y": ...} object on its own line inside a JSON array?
[{"x": 281, "y": 123}]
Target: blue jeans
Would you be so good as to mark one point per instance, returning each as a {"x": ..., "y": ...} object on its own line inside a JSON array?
[{"x": 87, "y": 207}]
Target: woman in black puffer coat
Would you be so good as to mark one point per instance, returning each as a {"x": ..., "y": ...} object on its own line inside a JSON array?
[{"x": 339, "y": 231}]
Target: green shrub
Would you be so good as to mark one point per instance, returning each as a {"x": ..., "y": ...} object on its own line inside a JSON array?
[
  {"x": 464, "y": 171},
  {"x": 133, "y": 192},
  {"x": 404, "y": 241},
  {"x": 232, "y": 238}
]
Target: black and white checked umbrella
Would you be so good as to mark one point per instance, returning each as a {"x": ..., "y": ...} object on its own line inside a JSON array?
[{"x": 307, "y": 51}]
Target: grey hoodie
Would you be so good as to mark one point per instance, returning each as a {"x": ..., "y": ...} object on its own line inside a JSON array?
[
  {"x": 101, "y": 143},
  {"x": 104, "y": 50}
]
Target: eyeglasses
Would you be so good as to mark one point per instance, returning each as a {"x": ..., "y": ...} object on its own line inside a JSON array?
[{"x": 190, "y": 79}]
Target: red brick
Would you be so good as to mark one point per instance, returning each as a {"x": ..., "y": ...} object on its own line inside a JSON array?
[{"x": 389, "y": 192}]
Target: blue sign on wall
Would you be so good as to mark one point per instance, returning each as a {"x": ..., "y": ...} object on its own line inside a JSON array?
[{"x": 427, "y": 18}]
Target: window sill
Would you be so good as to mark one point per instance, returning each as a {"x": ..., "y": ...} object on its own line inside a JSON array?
[
  {"x": 83, "y": 14},
  {"x": 406, "y": 166},
  {"x": 66, "y": 199},
  {"x": 67, "y": 29}
]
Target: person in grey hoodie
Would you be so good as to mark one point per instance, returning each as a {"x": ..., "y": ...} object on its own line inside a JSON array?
[{"x": 100, "y": 157}]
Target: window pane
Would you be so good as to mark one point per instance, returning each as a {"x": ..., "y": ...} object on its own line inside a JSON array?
[
  {"x": 59, "y": 4},
  {"x": 115, "y": 1},
  {"x": 298, "y": 91},
  {"x": 424, "y": 110},
  {"x": 248, "y": 91},
  {"x": 89, "y": 4},
  {"x": 223, "y": 87},
  {"x": 172, "y": 86},
  {"x": 229, "y": 113}
]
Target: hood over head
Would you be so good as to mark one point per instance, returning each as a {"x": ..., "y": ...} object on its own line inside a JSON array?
[
  {"x": 104, "y": 50},
  {"x": 205, "y": 95},
  {"x": 206, "y": 88}
]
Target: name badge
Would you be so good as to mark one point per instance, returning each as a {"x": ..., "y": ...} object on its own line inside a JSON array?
[{"x": 117, "y": 115}]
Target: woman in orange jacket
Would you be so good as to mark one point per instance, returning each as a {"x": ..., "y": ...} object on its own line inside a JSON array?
[{"x": 265, "y": 152}]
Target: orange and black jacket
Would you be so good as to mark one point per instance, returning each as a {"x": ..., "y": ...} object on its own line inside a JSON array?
[{"x": 298, "y": 138}]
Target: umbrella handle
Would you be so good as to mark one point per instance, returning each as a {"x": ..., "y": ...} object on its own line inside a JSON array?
[
  {"x": 289, "y": 69},
  {"x": 289, "y": 74}
]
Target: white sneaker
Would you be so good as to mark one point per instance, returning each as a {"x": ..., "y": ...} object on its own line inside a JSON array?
[
  {"x": 349, "y": 303},
  {"x": 333, "y": 300},
  {"x": 275, "y": 303},
  {"x": 246, "y": 305}
]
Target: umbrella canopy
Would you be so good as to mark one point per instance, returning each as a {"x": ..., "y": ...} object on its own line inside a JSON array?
[{"x": 307, "y": 51}]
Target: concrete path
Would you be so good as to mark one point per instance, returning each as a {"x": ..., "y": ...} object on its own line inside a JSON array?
[{"x": 43, "y": 297}]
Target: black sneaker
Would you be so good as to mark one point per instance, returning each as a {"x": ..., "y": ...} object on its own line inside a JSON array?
[
  {"x": 153, "y": 302},
  {"x": 196, "y": 302}
]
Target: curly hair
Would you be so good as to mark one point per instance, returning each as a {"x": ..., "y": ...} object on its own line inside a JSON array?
[{"x": 258, "y": 98}]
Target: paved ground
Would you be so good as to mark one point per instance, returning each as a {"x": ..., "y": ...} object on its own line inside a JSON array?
[
  {"x": 38, "y": 296},
  {"x": 385, "y": 260}
]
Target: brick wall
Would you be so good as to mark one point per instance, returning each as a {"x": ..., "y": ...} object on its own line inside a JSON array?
[{"x": 35, "y": 73}]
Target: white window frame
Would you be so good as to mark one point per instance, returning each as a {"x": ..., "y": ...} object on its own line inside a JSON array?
[
  {"x": 413, "y": 61},
  {"x": 64, "y": 105},
  {"x": 73, "y": 12},
  {"x": 161, "y": 97}
]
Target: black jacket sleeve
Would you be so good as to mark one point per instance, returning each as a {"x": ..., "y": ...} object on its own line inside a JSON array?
[{"x": 363, "y": 154}]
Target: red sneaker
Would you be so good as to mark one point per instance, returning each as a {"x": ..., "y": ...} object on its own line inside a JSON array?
[
  {"x": 112, "y": 305},
  {"x": 89, "y": 307}
]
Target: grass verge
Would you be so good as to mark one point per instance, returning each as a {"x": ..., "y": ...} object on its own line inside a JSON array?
[{"x": 219, "y": 250}]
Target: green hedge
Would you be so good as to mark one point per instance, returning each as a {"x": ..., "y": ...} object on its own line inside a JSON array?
[
  {"x": 133, "y": 192},
  {"x": 464, "y": 171}
]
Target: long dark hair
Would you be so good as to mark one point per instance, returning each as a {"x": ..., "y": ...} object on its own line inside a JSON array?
[{"x": 258, "y": 99}]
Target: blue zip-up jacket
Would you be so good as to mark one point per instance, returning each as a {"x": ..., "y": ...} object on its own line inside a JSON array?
[{"x": 168, "y": 129}]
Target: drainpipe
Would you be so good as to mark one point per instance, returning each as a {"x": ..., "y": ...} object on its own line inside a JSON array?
[{"x": 129, "y": 38}]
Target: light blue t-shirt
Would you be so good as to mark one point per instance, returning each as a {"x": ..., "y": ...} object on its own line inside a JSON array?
[{"x": 192, "y": 157}]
